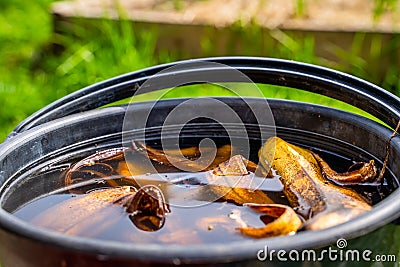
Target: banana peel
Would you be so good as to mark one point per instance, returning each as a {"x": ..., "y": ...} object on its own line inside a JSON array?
[
  {"x": 86, "y": 213},
  {"x": 95, "y": 211},
  {"x": 366, "y": 172},
  {"x": 322, "y": 203},
  {"x": 279, "y": 219},
  {"x": 234, "y": 172},
  {"x": 189, "y": 159}
]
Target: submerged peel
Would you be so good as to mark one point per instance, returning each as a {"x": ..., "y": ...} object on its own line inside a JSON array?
[
  {"x": 316, "y": 199},
  {"x": 84, "y": 213},
  {"x": 95, "y": 211}
]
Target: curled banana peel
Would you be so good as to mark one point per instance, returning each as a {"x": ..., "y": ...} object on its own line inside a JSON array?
[
  {"x": 365, "y": 173},
  {"x": 279, "y": 220},
  {"x": 191, "y": 157},
  {"x": 234, "y": 172},
  {"x": 322, "y": 203}
]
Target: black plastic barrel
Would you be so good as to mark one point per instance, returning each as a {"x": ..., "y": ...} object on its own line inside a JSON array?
[{"x": 75, "y": 124}]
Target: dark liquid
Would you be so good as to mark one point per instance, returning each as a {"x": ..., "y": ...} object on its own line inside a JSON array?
[
  {"x": 209, "y": 223},
  {"x": 202, "y": 222}
]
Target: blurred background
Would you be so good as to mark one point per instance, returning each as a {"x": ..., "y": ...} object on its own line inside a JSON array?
[{"x": 51, "y": 48}]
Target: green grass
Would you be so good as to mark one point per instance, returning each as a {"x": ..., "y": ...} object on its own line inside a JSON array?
[
  {"x": 245, "y": 90},
  {"x": 38, "y": 66},
  {"x": 35, "y": 71},
  {"x": 19, "y": 41}
]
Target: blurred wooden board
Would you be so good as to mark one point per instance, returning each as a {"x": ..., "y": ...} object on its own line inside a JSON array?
[
  {"x": 342, "y": 31},
  {"x": 327, "y": 15}
]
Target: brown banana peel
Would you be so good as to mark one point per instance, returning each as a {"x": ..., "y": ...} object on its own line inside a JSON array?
[
  {"x": 279, "y": 219},
  {"x": 365, "y": 173},
  {"x": 234, "y": 172},
  {"x": 320, "y": 202},
  {"x": 95, "y": 211},
  {"x": 189, "y": 159},
  {"x": 78, "y": 214}
]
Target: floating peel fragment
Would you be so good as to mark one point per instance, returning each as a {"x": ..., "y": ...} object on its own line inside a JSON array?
[{"x": 279, "y": 220}]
